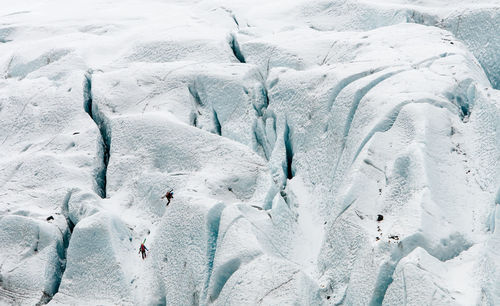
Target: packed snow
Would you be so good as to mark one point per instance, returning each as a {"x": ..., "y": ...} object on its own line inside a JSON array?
[{"x": 337, "y": 152}]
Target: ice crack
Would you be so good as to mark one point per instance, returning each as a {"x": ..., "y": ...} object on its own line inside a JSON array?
[{"x": 105, "y": 140}]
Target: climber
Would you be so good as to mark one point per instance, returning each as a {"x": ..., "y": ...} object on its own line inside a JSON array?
[
  {"x": 143, "y": 249},
  {"x": 169, "y": 195}
]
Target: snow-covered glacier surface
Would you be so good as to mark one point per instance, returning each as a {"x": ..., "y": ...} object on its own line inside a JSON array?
[{"x": 331, "y": 152}]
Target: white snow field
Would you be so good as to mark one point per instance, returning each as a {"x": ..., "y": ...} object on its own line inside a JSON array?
[{"x": 329, "y": 152}]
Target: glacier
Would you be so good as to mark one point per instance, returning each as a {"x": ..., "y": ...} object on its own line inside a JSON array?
[{"x": 329, "y": 152}]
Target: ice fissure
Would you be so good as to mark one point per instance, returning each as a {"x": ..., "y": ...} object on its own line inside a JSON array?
[
  {"x": 235, "y": 47},
  {"x": 213, "y": 224},
  {"x": 201, "y": 109},
  {"x": 194, "y": 93},
  {"x": 62, "y": 249},
  {"x": 288, "y": 165},
  {"x": 105, "y": 133},
  {"x": 260, "y": 128},
  {"x": 217, "y": 125}
]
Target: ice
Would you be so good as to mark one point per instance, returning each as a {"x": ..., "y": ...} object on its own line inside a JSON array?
[
  {"x": 32, "y": 257},
  {"x": 284, "y": 128},
  {"x": 88, "y": 276},
  {"x": 477, "y": 29}
]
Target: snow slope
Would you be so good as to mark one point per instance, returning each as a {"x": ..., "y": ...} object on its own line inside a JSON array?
[{"x": 285, "y": 129}]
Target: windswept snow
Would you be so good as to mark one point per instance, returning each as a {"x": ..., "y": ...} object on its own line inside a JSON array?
[{"x": 285, "y": 128}]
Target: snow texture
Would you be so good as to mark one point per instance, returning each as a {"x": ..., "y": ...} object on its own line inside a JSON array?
[{"x": 333, "y": 152}]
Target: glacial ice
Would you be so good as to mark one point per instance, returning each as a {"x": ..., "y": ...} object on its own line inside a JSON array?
[{"x": 285, "y": 128}]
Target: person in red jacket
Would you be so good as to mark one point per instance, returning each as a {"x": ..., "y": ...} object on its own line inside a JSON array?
[
  {"x": 169, "y": 195},
  {"x": 143, "y": 249}
]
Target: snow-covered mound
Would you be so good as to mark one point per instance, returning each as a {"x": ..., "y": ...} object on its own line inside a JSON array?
[{"x": 320, "y": 152}]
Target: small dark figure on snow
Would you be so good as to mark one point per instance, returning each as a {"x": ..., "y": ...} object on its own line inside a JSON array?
[
  {"x": 169, "y": 195},
  {"x": 142, "y": 250}
]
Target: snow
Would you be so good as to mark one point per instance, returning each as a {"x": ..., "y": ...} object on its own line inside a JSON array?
[{"x": 284, "y": 128}]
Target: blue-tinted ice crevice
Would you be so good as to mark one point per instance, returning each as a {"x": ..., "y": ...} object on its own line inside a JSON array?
[
  {"x": 213, "y": 223},
  {"x": 198, "y": 106},
  {"x": 235, "y": 47},
  {"x": 288, "y": 169},
  {"x": 105, "y": 140},
  {"x": 62, "y": 250},
  {"x": 55, "y": 274}
]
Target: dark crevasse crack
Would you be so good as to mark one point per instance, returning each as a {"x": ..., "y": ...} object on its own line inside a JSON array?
[
  {"x": 233, "y": 43},
  {"x": 232, "y": 15},
  {"x": 217, "y": 125},
  {"x": 463, "y": 96},
  {"x": 61, "y": 253},
  {"x": 65, "y": 213},
  {"x": 87, "y": 94},
  {"x": 260, "y": 138},
  {"x": 194, "y": 93},
  {"x": 196, "y": 113},
  {"x": 197, "y": 103},
  {"x": 213, "y": 222},
  {"x": 261, "y": 108},
  {"x": 105, "y": 140},
  {"x": 194, "y": 119},
  {"x": 264, "y": 132},
  {"x": 288, "y": 165},
  {"x": 235, "y": 21},
  {"x": 259, "y": 126},
  {"x": 35, "y": 248},
  {"x": 67, "y": 235},
  {"x": 265, "y": 95}
]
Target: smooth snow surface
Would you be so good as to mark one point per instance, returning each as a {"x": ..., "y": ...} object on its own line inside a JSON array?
[{"x": 285, "y": 128}]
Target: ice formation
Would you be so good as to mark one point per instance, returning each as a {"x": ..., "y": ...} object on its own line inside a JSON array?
[{"x": 337, "y": 152}]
